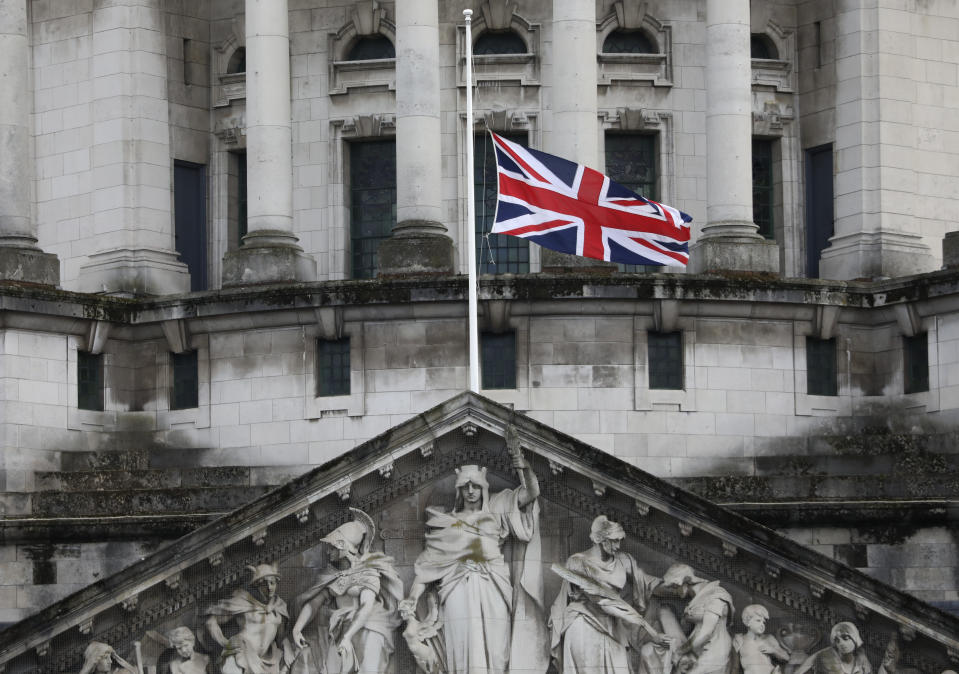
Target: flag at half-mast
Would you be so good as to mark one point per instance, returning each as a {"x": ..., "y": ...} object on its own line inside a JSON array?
[{"x": 570, "y": 208}]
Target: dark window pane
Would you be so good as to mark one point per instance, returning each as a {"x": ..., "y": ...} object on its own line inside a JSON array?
[
  {"x": 763, "y": 188},
  {"x": 496, "y": 253},
  {"x": 89, "y": 380},
  {"x": 916, "y": 362},
  {"x": 370, "y": 48},
  {"x": 241, "y": 196},
  {"x": 505, "y": 42},
  {"x": 498, "y": 360},
  {"x": 237, "y": 62},
  {"x": 819, "y": 205},
  {"x": 628, "y": 42},
  {"x": 821, "y": 367},
  {"x": 372, "y": 201},
  {"x": 186, "y": 381},
  {"x": 333, "y": 367},
  {"x": 631, "y": 162},
  {"x": 761, "y": 47},
  {"x": 665, "y": 352},
  {"x": 189, "y": 211}
]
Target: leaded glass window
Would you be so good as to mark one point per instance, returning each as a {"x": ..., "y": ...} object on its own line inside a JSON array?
[
  {"x": 502, "y": 42},
  {"x": 916, "y": 363},
  {"x": 333, "y": 367},
  {"x": 372, "y": 201},
  {"x": 631, "y": 162},
  {"x": 665, "y": 353},
  {"x": 89, "y": 380},
  {"x": 821, "y": 367},
  {"x": 371, "y": 47},
  {"x": 628, "y": 42},
  {"x": 496, "y": 253},
  {"x": 186, "y": 381},
  {"x": 763, "y": 187},
  {"x": 498, "y": 360}
]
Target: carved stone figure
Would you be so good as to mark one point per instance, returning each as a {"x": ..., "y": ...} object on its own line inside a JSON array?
[
  {"x": 483, "y": 604},
  {"x": 100, "y": 657},
  {"x": 846, "y": 655},
  {"x": 187, "y": 660},
  {"x": 363, "y": 590},
  {"x": 757, "y": 649},
  {"x": 256, "y": 648},
  {"x": 422, "y": 635},
  {"x": 591, "y": 621},
  {"x": 707, "y": 648}
]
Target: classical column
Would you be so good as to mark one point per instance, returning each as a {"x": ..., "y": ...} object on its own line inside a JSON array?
[
  {"x": 132, "y": 217},
  {"x": 730, "y": 240},
  {"x": 20, "y": 259},
  {"x": 270, "y": 252},
  {"x": 419, "y": 243},
  {"x": 574, "y": 132}
]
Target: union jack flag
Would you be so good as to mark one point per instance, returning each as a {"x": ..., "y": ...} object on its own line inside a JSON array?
[{"x": 570, "y": 208}]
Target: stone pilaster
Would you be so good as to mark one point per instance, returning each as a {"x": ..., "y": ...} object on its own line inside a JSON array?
[
  {"x": 20, "y": 258},
  {"x": 420, "y": 244},
  {"x": 131, "y": 155},
  {"x": 270, "y": 252},
  {"x": 730, "y": 240},
  {"x": 575, "y": 101}
]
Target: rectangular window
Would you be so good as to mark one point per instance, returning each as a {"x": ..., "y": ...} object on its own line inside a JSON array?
[
  {"x": 241, "y": 227},
  {"x": 821, "y": 367},
  {"x": 665, "y": 353},
  {"x": 372, "y": 202},
  {"x": 916, "y": 363},
  {"x": 498, "y": 360},
  {"x": 189, "y": 217},
  {"x": 333, "y": 367},
  {"x": 763, "y": 187},
  {"x": 186, "y": 381},
  {"x": 495, "y": 253},
  {"x": 819, "y": 205},
  {"x": 631, "y": 162},
  {"x": 89, "y": 381}
]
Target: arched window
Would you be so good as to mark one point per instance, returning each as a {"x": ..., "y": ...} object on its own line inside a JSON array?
[
  {"x": 237, "y": 62},
  {"x": 372, "y": 47},
  {"x": 628, "y": 42},
  {"x": 503, "y": 42},
  {"x": 761, "y": 47}
]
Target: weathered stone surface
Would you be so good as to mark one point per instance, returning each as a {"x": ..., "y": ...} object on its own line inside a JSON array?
[
  {"x": 29, "y": 265},
  {"x": 415, "y": 254}
]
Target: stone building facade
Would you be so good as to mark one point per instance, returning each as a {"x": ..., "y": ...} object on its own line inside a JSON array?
[{"x": 232, "y": 239}]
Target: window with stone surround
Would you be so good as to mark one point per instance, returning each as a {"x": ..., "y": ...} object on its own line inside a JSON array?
[
  {"x": 764, "y": 187},
  {"x": 498, "y": 360},
  {"x": 628, "y": 42},
  {"x": 89, "y": 381},
  {"x": 665, "y": 353},
  {"x": 821, "y": 374},
  {"x": 495, "y": 253},
  {"x": 499, "y": 42},
  {"x": 333, "y": 367},
  {"x": 185, "y": 391},
  {"x": 370, "y": 48},
  {"x": 372, "y": 202},
  {"x": 762, "y": 47},
  {"x": 631, "y": 161},
  {"x": 189, "y": 219},
  {"x": 820, "y": 203},
  {"x": 238, "y": 207},
  {"x": 916, "y": 363}
]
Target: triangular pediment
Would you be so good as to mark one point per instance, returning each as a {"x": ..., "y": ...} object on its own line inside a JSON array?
[{"x": 396, "y": 476}]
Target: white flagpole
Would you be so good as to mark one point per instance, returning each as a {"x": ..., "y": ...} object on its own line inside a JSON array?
[{"x": 471, "y": 212}]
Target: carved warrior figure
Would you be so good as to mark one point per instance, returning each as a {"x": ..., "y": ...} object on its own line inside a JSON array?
[
  {"x": 187, "y": 660},
  {"x": 592, "y": 623},
  {"x": 100, "y": 657},
  {"x": 757, "y": 649},
  {"x": 256, "y": 648},
  {"x": 492, "y": 619},
  {"x": 363, "y": 589}
]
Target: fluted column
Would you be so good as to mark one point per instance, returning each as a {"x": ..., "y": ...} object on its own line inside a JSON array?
[
  {"x": 574, "y": 132},
  {"x": 270, "y": 252},
  {"x": 20, "y": 259},
  {"x": 419, "y": 243},
  {"x": 730, "y": 240}
]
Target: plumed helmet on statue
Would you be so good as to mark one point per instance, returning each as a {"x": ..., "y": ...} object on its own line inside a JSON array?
[
  {"x": 355, "y": 537},
  {"x": 476, "y": 475},
  {"x": 261, "y": 571},
  {"x": 604, "y": 529}
]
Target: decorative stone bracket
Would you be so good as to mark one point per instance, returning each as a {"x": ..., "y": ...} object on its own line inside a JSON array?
[
  {"x": 177, "y": 335},
  {"x": 98, "y": 332}
]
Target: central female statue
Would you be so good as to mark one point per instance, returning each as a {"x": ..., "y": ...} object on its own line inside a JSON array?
[{"x": 489, "y": 624}]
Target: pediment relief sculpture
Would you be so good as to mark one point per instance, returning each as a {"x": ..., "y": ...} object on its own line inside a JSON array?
[{"x": 479, "y": 556}]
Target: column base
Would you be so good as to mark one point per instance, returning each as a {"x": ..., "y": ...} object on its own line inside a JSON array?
[
  {"x": 268, "y": 257},
  {"x": 734, "y": 253},
  {"x": 125, "y": 272},
  {"x": 30, "y": 265},
  {"x": 554, "y": 262},
  {"x": 417, "y": 253},
  {"x": 870, "y": 255}
]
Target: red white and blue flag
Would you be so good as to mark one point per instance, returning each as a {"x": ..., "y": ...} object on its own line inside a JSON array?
[{"x": 567, "y": 207}]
